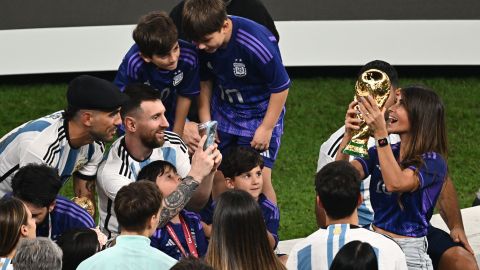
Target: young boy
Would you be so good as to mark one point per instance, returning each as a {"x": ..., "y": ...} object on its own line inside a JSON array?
[
  {"x": 242, "y": 169},
  {"x": 160, "y": 59},
  {"x": 183, "y": 235},
  {"x": 244, "y": 83}
]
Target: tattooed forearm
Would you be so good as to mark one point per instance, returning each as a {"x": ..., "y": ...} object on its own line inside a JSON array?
[{"x": 176, "y": 201}]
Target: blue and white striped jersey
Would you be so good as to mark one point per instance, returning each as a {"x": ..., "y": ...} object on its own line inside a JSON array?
[
  {"x": 45, "y": 141},
  {"x": 328, "y": 151},
  {"x": 119, "y": 169},
  {"x": 318, "y": 250},
  {"x": 184, "y": 80},
  {"x": 244, "y": 75}
]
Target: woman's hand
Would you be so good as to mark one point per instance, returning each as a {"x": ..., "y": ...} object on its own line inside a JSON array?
[{"x": 373, "y": 116}]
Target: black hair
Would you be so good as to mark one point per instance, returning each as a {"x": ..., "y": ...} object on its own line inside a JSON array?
[
  {"x": 382, "y": 66},
  {"x": 355, "y": 255},
  {"x": 338, "y": 186},
  {"x": 37, "y": 184},
  {"x": 137, "y": 94},
  {"x": 240, "y": 160},
  {"x": 77, "y": 245},
  {"x": 154, "y": 169}
]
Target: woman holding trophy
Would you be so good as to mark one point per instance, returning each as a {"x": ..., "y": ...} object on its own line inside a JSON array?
[{"x": 406, "y": 178}]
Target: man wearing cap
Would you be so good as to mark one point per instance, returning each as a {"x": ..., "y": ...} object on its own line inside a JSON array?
[{"x": 70, "y": 141}]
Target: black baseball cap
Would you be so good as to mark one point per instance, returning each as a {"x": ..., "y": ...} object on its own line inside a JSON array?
[{"x": 88, "y": 92}]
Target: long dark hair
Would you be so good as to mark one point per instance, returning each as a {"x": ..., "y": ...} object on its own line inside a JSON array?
[
  {"x": 13, "y": 214},
  {"x": 239, "y": 235},
  {"x": 355, "y": 255},
  {"x": 426, "y": 114},
  {"x": 77, "y": 245}
]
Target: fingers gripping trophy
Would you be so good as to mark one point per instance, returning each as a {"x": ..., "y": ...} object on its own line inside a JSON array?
[{"x": 376, "y": 84}]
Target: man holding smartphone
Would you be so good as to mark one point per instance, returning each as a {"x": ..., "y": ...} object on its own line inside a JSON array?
[{"x": 146, "y": 139}]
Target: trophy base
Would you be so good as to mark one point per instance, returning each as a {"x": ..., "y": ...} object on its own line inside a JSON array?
[{"x": 356, "y": 149}]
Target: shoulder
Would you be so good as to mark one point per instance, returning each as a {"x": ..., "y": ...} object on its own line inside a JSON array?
[
  {"x": 188, "y": 54},
  {"x": 254, "y": 38},
  {"x": 265, "y": 203},
  {"x": 70, "y": 210},
  {"x": 133, "y": 60},
  {"x": 172, "y": 139}
]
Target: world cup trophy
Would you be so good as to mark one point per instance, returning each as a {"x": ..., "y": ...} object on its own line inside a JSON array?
[
  {"x": 374, "y": 83},
  {"x": 86, "y": 204}
]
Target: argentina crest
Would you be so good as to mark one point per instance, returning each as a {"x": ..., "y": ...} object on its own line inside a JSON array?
[
  {"x": 178, "y": 77},
  {"x": 239, "y": 68}
]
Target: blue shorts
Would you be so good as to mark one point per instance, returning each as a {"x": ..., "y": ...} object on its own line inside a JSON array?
[
  {"x": 228, "y": 140},
  {"x": 438, "y": 242}
]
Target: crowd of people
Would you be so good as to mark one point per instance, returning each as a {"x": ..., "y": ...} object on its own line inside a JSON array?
[{"x": 168, "y": 200}]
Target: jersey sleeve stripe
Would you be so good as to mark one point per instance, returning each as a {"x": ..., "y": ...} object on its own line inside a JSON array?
[
  {"x": 134, "y": 64},
  {"x": 258, "y": 43},
  {"x": 9, "y": 172},
  {"x": 187, "y": 50},
  {"x": 281, "y": 87},
  {"x": 69, "y": 206},
  {"x": 259, "y": 54},
  {"x": 334, "y": 148},
  {"x": 107, "y": 218},
  {"x": 272, "y": 38},
  {"x": 189, "y": 55},
  {"x": 80, "y": 216},
  {"x": 187, "y": 60}
]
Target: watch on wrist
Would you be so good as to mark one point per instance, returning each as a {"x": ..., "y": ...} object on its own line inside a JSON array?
[{"x": 382, "y": 142}]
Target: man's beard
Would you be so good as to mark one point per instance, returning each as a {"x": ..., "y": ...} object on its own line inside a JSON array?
[
  {"x": 151, "y": 141},
  {"x": 98, "y": 136}
]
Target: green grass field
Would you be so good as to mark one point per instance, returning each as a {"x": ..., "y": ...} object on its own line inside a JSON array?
[{"x": 315, "y": 108}]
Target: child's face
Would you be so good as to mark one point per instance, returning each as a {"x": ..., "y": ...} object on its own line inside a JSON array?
[
  {"x": 168, "y": 181},
  {"x": 251, "y": 182},
  {"x": 168, "y": 61},
  {"x": 211, "y": 42}
]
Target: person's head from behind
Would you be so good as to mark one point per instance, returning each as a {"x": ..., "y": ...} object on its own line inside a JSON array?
[
  {"x": 37, "y": 185},
  {"x": 40, "y": 253},
  {"x": 16, "y": 222},
  {"x": 94, "y": 104},
  {"x": 338, "y": 190},
  {"x": 144, "y": 115},
  {"x": 137, "y": 207},
  {"x": 157, "y": 40},
  {"x": 205, "y": 22},
  {"x": 392, "y": 76},
  {"x": 420, "y": 114},
  {"x": 163, "y": 174},
  {"x": 191, "y": 263},
  {"x": 355, "y": 255},
  {"x": 242, "y": 168},
  {"x": 78, "y": 245},
  {"x": 239, "y": 235}
]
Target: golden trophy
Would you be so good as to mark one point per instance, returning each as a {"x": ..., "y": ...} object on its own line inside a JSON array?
[
  {"x": 374, "y": 83},
  {"x": 86, "y": 204}
]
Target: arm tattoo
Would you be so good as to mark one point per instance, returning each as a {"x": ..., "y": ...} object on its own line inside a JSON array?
[{"x": 175, "y": 202}]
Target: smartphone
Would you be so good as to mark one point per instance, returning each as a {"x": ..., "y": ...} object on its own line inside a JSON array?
[{"x": 210, "y": 129}]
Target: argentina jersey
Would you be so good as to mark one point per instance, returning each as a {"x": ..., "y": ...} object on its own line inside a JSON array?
[
  {"x": 405, "y": 213},
  {"x": 327, "y": 154},
  {"x": 120, "y": 168},
  {"x": 244, "y": 75},
  {"x": 45, "y": 141},
  {"x": 318, "y": 250},
  {"x": 184, "y": 80},
  {"x": 162, "y": 240}
]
